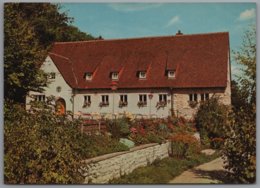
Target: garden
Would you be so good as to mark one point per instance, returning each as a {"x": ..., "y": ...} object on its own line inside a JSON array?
[{"x": 42, "y": 147}]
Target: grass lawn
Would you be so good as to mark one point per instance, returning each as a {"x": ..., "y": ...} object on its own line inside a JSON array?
[{"x": 162, "y": 171}]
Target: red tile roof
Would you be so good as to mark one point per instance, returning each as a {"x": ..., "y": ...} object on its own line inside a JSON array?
[{"x": 200, "y": 60}]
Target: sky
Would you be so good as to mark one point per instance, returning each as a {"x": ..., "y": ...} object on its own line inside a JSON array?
[{"x": 131, "y": 20}]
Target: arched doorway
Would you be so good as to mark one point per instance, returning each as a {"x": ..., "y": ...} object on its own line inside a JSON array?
[{"x": 60, "y": 106}]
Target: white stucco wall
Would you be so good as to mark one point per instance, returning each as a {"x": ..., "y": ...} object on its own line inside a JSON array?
[
  {"x": 132, "y": 97},
  {"x": 48, "y": 67}
]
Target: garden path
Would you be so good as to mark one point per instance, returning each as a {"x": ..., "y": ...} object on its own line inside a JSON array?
[{"x": 207, "y": 173}]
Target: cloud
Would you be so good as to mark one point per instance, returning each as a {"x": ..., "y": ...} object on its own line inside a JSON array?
[
  {"x": 247, "y": 14},
  {"x": 173, "y": 21},
  {"x": 132, "y": 7}
]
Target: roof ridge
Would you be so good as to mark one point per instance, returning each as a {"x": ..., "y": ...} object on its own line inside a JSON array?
[
  {"x": 139, "y": 38},
  {"x": 58, "y": 55}
]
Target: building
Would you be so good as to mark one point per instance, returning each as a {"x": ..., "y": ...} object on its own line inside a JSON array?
[{"x": 152, "y": 76}]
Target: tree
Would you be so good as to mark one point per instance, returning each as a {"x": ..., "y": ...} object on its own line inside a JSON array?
[
  {"x": 29, "y": 30},
  {"x": 246, "y": 56},
  {"x": 240, "y": 145}
]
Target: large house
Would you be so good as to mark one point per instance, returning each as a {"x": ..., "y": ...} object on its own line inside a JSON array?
[{"x": 152, "y": 76}]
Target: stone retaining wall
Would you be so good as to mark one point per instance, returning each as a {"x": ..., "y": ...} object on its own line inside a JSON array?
[{"x": 103, "y": 168}]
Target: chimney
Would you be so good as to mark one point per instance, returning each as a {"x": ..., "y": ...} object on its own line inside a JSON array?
[{"x": 179, "y": 32}]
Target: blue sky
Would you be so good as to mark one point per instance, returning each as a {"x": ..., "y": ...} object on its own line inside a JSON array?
[{"x": 129, "y": 20}]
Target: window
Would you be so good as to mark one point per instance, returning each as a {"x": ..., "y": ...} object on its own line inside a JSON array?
[
  {"x": 104, "y": 99},
  {"x": 114, "y": 76},
  {"x": 143, "y": 99},
  {"x": 142, "y": 74},
  {"x": 123, "y": 98},
  {"x": 88, "y": 76},
  {"x": 51, "y": 75},
  {"x": 162, "y": 98},
  {"x": 58, "y": 89},
  {"x": 171, "y": 74},
  {"x": 39, "y": 98},
  {"x": 207, "y": 96},
  {"x": 87, "y": 100},
  {"x": 204, "y": 96},
  {"x": 193, "y": 97}
]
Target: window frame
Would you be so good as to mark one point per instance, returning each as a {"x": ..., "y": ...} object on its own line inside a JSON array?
[
  {"x": 193, "y": 97},
  {"x": 162, "y": 97},
  {"x": 88, "y": 76},
  {"x": 39, "y": 98},
  {"x": 123, "y": 98},
  {"x": 143, "y": 98},
  {"x": 87, "y": 99},
  {"x": 169, "y": 74},
  {"x": 105, "y": 99},
  {"x": 204, "y": 96},
  {"x": 140, "y": 75},
  {"x": 115, "y": 75}
]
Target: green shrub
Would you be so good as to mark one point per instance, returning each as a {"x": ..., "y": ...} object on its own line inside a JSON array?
[
  {"x": 211, "y": 120},
  {"x": 119, "y": 128},
  {"x": 42, "y": 148},
  {"x": 240, "y": 148},
  {"x": 153, "y": 138}
]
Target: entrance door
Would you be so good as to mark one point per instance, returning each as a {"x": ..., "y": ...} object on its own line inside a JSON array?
[{"x": 60, "y": 106}]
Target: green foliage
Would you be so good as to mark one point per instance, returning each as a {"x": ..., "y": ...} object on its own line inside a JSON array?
[
  {"x": 119, "y": 127},
  {"x": 240, "y": 149},
  {"x": 29, "y": 30},
  {"x": 212, "y": 120},
  {"x": 42, "y": 148},
  {"x": 246, "y": 56},
  {"x": 162, "y": 171},
  {"x": 240, "y": 145}
]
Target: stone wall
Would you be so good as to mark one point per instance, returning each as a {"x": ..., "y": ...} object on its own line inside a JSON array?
[{"x": 100, "y": 170}]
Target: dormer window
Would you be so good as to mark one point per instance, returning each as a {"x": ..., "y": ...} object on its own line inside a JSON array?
[
  {"x": 171, "y": 74},
  {"x": 88, "y": 76},
  {"x": 142, "y": 74},
  {"x": 114, "y": 75}
]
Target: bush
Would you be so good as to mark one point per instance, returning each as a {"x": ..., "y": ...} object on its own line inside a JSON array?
[
  {"x": 119, "y": 128},
  {"x": 42, "y": 148},
  {"x": 211, "y": 120},
  {"x": 184, "y": 145},
  {"x": 240, "y": 148}
]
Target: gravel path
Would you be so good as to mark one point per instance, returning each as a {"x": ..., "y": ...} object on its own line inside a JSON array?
[{"x": 207, "y": 173}]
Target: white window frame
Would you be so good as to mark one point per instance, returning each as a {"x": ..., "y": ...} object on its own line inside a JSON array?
[
  {"x": 87, "y": 99},
  {"x": 193, "y": 97},
  {"x": 123, "y": 98},
  {"x": 143, "y": 98},
  {"x": 162, "y": 97},
  {"x": 114, "y": 75},
  {"x": 204, "y": 96},
  {"x": 171, "y": 74},
  {"x": 39, "y": 98},
  {"x": 105, "y": 99},
  {"x": 142, "y": 74},
  {"x": 88, "y": 76}
]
